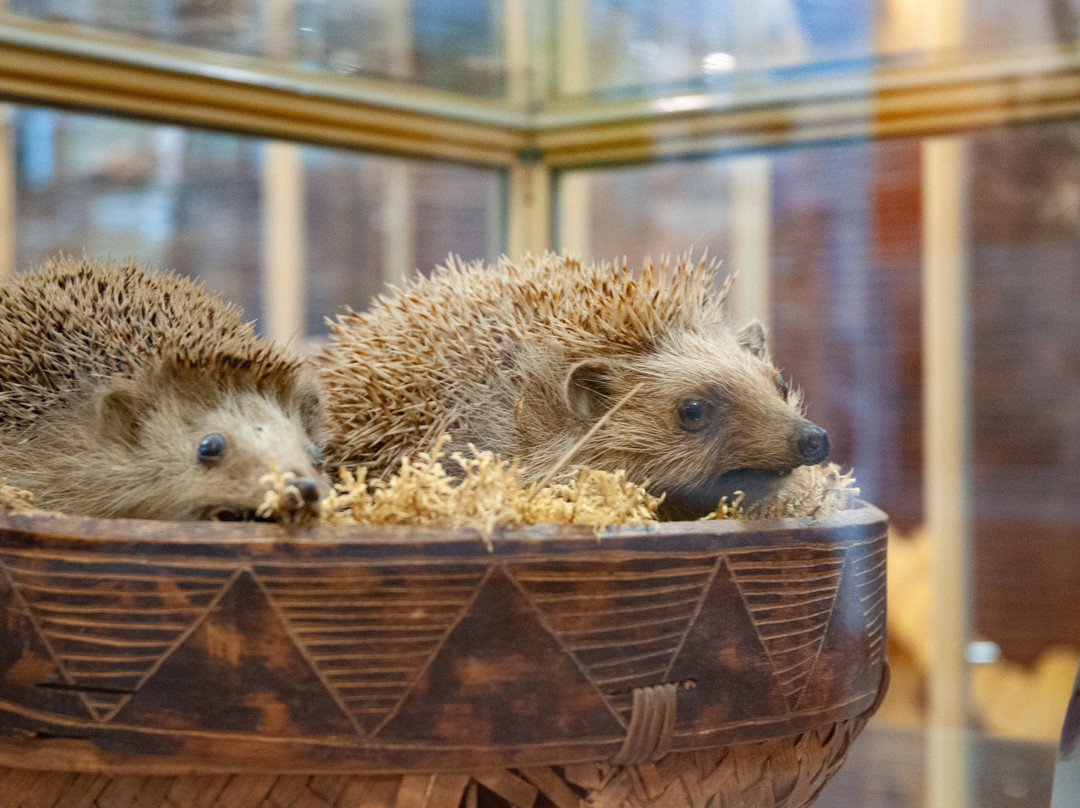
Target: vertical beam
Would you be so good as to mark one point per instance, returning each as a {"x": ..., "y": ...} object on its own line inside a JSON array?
[
  {"x": 282, "y": 206},
  {"x": 751, "y": 231},
  {"x": 529, "y": 200},
  {"x": 574, "y": 232},
  {"x": 517, "y": 53},
  {"x": 575, "y": 214},
  {"x": 946, "y": 454},
  {"x": 277, "y": 24},
  {"x": 399, "y": 249},
  {"x": 945, "y": 435},
  {"x": 8, "y": 209},
  {"x": 573, "y": 48},
  {"x": 400, "y": 202},
  {"x": 283, "y": 241},
  {"x": 527, "y": 197},
  {"x": 750, "y": 200}
]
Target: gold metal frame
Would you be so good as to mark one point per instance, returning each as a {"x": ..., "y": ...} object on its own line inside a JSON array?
[{"x": 49, "y": 64}]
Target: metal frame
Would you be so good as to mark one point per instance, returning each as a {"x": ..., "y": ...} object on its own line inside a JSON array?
[{"x": 49, "y": 64}]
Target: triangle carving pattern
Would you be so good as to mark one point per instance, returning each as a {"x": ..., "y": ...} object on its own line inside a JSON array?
[
  {"x": 790, "y": 596},
  {"x": 727, "y": 660},
  {"x": 481, "y": 688},
  {"x": 624, "y": 622},
  {"x": 845, "y": 640},
  {"x": 110, "y": 624},
  {"x": 868, "y": 561},
  {"x": 368, "y": 630},
  {"x": 238, "y": 671},
  {"x": 26, "y": 663}
]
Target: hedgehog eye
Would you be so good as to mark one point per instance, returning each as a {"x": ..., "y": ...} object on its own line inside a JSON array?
[
  {"x": 695, "y": 414},
  {"x": 316, "y": 455},
  {"x": 211, "y": 448},
  {"x": 782, "y": 386}
]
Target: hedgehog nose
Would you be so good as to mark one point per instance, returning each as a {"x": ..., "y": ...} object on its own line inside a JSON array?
[
  {"x": 813, "y": 444},
  {"x": 308, "y": 488}
]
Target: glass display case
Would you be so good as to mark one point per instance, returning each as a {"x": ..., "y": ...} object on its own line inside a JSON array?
[{"x": 897, "y": 184}]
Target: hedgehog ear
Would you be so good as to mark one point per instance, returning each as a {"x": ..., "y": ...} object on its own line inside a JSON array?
[
  {"x": 752, "y": 339},
  {"x": 120, "y": 407},
  {"x": 587, "y": 388}
]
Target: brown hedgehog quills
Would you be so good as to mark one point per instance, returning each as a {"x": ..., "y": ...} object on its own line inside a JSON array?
[{"x": 523, "y": 358}]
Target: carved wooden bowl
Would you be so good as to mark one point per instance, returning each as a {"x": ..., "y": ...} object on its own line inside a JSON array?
[{"x": 165, "y": 664}]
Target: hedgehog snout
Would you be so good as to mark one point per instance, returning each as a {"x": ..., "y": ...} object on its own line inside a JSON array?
[
  {"x": 813, "y": 443},
  {"x": 308, "y": 488}
]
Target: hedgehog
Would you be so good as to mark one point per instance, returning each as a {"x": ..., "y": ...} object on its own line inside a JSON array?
[
  {"x": 130, "y": 393},
  {"x": 525, "y": 358}
]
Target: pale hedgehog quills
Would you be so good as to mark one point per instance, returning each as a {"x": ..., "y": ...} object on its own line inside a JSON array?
[
  {"x": 522, "y": 358},
  {"x": 126, "y": 393}
]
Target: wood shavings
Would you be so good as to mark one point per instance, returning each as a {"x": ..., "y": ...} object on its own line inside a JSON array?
[
  {"x": 485, "y": 492},
  {"x": 727, "y": 510},
  {"x": 284, "y": 501},
  {"x": 15, "y": 500}
]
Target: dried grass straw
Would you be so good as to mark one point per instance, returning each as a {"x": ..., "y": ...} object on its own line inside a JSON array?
[
  {"x": 15, "y": 499},
  {"x": 485, "y": 492}
]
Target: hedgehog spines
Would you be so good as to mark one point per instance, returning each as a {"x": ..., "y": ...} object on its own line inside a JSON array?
[
  {"x": 76, "y": 320},
  {"x": 443, "y": 345}
]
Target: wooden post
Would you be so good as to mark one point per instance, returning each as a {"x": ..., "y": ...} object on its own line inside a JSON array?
[
  {"x": 528, "y": 184},
  {"x": 517, "y": 54},
  {"x": 574, "y": 232},
  {"x": 529, "y": 202},
  {"x": 8, "y": 209},
  {"x": 283, "y": 241},
  {"x": 751, "y": 230},
  {"x": 946, "y": 417},
  {"x": 282, "y": 207},
  {"x": 400, "y": 233},
  {"x": 399, "y": 246}
]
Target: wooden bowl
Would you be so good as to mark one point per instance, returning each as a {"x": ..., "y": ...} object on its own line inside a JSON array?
[{"x": 560, "y": 665}]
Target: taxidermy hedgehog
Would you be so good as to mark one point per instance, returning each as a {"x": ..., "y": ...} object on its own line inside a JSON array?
[
  {"x": 524, "y": 358},
  {"x": 125, "y": 393}
]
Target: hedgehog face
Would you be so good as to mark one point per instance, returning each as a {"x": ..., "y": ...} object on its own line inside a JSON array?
[
  {"x": 183, "y": 456},
  {"x": 713, "y": 416}
]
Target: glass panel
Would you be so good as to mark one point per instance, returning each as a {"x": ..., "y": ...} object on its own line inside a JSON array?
[
  {"x": 372, "y": 220},
  {"x": 1025, "y": 250},
  {"x": 993, "y": 24},
  {"x": 845, "y": 307},
  {"x": 688, "y": 205},
  {"x": 886, "y": 768},
  {"x": 174, "y": 198},
  {"x": 638, "y": 48},
  {"x": 234, "y": 26},
  {"x": 194, "y": 201},
  {"x": 451, "y": 46},
  {"x": 644, "y": 48}
]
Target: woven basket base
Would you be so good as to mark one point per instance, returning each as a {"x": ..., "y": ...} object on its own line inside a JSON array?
[{"x": 786, "y": 773}]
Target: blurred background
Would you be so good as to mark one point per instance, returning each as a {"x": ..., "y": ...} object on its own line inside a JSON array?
[{"x": 896, "y": 181}]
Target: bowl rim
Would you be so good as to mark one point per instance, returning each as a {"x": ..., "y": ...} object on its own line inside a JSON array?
[{"x": 231, "y": 539}]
